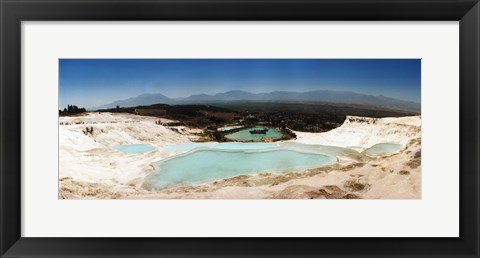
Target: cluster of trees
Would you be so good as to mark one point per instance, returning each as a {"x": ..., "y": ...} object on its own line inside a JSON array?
[
  {"x": 217, "y": 120},
  {"x": 72, "y": 110}
]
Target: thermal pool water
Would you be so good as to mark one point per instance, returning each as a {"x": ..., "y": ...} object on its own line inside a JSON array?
[{"x": 197, "y": 163}]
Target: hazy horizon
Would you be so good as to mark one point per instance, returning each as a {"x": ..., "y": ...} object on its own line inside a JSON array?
[{"x": 95, "y": 82}]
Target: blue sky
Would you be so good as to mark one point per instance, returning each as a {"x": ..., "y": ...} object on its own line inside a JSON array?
[{"x": 94, "y": 82}]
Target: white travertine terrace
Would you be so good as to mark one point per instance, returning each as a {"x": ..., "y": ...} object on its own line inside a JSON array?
[{"x": 90, "y": 168}]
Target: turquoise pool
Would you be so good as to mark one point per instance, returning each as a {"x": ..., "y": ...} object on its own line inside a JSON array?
[
  {"x": 246, "y": 136},
  {"x": 206, "y": 165},
  {"x": 197, "y": 163},
  {"x": 383, "y": 149},
  {"x": 181, "y": 148},
  {"x": 134, "y": 148}
]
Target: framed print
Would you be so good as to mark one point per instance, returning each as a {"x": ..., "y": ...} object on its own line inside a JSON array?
[
  {"x": 239, "y": 128},
  {"x": 234, "y": 143}
]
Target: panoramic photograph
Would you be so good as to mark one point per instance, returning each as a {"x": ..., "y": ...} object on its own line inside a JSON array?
[{"x": 239, "y": 129}]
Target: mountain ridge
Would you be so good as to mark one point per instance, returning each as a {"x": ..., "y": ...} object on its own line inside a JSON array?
[{"x": 330, "y": 96}]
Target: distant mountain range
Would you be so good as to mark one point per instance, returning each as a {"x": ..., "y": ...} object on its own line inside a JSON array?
[{"x": 324, "y": 96}]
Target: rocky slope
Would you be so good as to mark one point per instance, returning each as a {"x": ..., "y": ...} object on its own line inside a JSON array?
[
  {"x": 86, "y": 141},
  {"x": 364, "y": 132}
]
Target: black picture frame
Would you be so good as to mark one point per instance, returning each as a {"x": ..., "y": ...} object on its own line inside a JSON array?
[{"x": 13, "y": 12}]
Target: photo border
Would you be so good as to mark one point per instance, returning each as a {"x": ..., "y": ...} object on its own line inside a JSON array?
[{"x": 13, "y": 12}]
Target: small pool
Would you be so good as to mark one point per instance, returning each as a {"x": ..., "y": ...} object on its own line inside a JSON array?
[
  {"x": 383, "y": 149},
  {"x": 246, "y": 136},
  {"x": 134, "y": 148}
]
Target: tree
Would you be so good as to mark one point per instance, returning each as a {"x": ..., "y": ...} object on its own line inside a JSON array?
[
  {"x": 72, "y": 110},
  {"x": 217, "y": 136}
]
